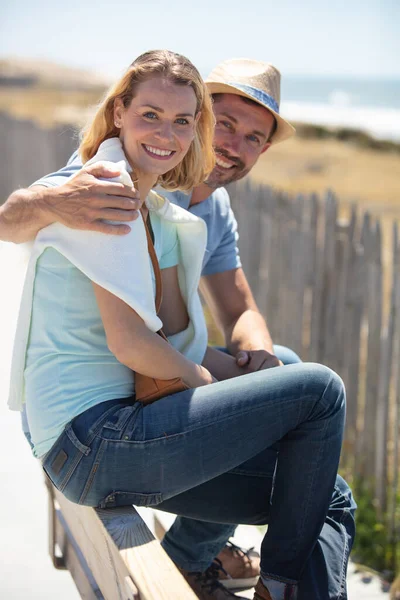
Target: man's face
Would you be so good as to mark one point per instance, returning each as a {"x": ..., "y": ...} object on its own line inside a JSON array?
[{"x": 241, "y": 133}]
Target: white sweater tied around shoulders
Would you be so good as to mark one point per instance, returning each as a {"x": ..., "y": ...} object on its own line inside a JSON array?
[{"x": 108, "y": 259}]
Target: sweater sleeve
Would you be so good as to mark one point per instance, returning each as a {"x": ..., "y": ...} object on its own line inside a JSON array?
[{"x": 119, "y": 264}]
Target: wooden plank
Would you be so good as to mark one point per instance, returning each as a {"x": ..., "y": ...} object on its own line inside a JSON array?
[
  {"x": 265, "y": 260},
  {"x": 310, "y": 338},
  {"x": 374, "y": 315},
  {"x": 284, "y": 261},
  {"x": 352, "y": 344},
  {"x": 385, "y": 379},
  {"x": 123, "y": 555},
  {"x": 329, "y": 289},
  {"x": 75, "y": 561},
  {"x": 299, "y": 270},
  {"x": 353, "y": 290},
  {"x": 273, "y": 261},
  {"x": 394, "y": 483}
]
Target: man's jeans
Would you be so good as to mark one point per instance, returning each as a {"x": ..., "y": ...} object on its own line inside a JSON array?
[{"x": 209, "y": 454}]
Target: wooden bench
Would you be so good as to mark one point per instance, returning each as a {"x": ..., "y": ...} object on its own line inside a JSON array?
[{"x": 111, "y": 554}]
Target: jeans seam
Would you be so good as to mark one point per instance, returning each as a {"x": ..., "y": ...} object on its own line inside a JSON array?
[
  {"x": 305, "y": 513},
  {"x": 93, "y": 471},
  {"x": 277, "y": 578},
  {"x": 195, "y": 429},
  {"x": 98, "y": 425},
  {"x": 251, "y": 474},
  {"x": 342, "y": 590}
]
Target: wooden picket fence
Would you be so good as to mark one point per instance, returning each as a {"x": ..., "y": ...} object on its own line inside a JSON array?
[
  {"x": 321, "y": 283},
  {"x": 319, "y": 280},
  {"x": 28, "y": 151}
]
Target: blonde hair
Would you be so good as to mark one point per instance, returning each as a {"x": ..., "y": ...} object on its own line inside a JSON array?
[{"x": 199, "y": 160}]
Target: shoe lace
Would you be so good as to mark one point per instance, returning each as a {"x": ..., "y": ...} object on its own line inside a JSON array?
[{"x": 209, "y": 578}]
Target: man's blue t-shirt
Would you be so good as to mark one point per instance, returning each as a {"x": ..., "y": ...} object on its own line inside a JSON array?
[{"x": 222, "y": 253}]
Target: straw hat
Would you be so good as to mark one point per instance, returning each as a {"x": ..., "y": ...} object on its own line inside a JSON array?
[{"x": 252, "y": 79}]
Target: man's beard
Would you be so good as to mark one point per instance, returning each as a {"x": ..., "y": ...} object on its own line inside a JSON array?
[{"x": 217, "y": 178}]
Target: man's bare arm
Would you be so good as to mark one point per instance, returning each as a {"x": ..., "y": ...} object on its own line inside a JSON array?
[
  {"x": 231, "y": 302},
  {"x": 83, "y": 202}
]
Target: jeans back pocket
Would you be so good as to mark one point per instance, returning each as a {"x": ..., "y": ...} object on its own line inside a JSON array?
[{"x": 63, "y": 458}]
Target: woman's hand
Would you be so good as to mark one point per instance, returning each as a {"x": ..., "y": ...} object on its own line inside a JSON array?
[{"x": 201, "y": 376}]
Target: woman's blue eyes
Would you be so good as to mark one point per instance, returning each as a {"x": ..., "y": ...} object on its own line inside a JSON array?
[{"x": 152, "y": 116}]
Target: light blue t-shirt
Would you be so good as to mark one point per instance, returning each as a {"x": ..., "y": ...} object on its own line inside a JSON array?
[
  {"x": 222, "y": 253},
  {"x": 70, "y": 369}
]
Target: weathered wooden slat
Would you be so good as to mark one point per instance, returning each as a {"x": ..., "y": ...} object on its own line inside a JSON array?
[
  {"x": 327, "y": 344},
  {"x": 351, "y": 369},
  {"x": 273, "y": 261},
  {"x": 374, "y": 315},
  {"x": 31, "y": 151},
  {"x": 350, "y": 332},
  {"x": 122, "y": 554},
  {"x": 394, "y": 483},
  {"x": 264, "y": 274},
  {"x": 385, "y": 380},
  {"x": 75, "y": 562},
  {"x": 299, "y": 271},
  {"x": 310, "y": 340}
]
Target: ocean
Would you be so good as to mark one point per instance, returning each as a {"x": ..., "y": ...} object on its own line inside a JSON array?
[{"x": 370, "y": 105}]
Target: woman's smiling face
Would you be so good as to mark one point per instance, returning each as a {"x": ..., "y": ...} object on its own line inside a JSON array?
[{"x": 158, "y": 126}]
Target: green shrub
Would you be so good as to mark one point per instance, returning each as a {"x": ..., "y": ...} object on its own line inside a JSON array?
[{"x": 373, "y": 546}]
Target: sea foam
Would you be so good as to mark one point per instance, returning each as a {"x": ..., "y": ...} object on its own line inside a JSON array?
[{"x": 381, "y": 123}]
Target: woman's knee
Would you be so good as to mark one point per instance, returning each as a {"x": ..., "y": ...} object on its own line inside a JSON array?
[{"x": 326, "y": 385}]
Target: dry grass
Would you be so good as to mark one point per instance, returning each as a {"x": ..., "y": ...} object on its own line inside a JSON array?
[
  {"x": 369, "y": 177},
  {"x": 48, "y": 107}
]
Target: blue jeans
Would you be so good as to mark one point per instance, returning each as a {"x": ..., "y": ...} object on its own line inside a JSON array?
[
  {"x": 192, "y": 542},
  {"x": 209, "y": 454}
]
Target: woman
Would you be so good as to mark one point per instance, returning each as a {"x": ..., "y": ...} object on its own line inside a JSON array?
[{"x": 88, "y": 322}]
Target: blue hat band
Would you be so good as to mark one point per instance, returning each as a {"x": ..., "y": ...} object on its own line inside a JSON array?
[{"x": 257, "y": 94}]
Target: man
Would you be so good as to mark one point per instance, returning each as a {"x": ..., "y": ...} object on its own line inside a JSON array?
[{"x": 246, "y": 105}]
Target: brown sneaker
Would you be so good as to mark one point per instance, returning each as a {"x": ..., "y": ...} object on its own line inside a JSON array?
[
  {"x": 206, "y": 585},
  {"x": 261, "y": 592},
  {"x": 242, "y": 567}
]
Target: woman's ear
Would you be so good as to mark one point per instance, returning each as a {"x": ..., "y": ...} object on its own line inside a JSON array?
[
  {"x": 197, "y": 117},
  {"x": 118, "y": 112}
]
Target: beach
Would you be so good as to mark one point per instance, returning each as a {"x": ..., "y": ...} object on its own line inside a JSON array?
[{"x": 356, "y": 173}]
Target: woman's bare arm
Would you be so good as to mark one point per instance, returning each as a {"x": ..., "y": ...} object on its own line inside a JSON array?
[
  {"x": 173, "y": 311},
  {"x": 135, "y": 346},
  {"x": 83, "y": 202}
]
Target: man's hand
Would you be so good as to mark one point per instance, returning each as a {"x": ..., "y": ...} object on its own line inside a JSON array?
[
  {"x": 86, "y": 202},
  {"x": 257, "y": 360}
]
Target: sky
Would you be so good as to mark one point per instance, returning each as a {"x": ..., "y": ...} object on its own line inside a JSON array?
[{"x": 345, "y": 38}]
